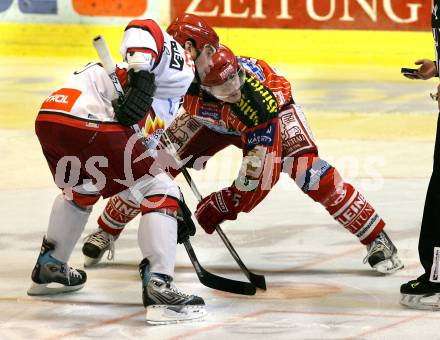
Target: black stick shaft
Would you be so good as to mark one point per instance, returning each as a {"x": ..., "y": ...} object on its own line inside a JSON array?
[{"x": 258, "y": 280}]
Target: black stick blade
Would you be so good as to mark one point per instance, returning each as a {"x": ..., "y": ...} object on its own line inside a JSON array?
[
  {"x": 217, "y": 282},
  {"x": 257, "y": 280},
  {"x": 226, "y": 285}
]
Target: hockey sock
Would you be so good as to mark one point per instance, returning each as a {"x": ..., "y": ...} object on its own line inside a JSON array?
[
  {"x": 117, "y": 213},
  {"x": 157, "y": 238},
  {"x": 356, "y": 214},
  {"x": 66, "y": 224},
  {"x": 323, "y": 183}
]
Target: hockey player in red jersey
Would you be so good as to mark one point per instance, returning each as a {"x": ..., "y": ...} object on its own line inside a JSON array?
[
  {"x": 246, "y": 103},
  {"x": 92, "y": 150},
  {"x": 276, "y": 137}
]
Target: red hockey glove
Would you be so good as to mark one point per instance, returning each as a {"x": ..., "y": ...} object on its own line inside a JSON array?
[{"x": 214, "y": 209}]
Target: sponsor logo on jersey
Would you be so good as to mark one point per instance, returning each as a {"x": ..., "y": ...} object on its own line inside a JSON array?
[
  {"x": 221, "y": 129},
  {"x": 257, "y": 103},
  {"x": 280, "y": 98},
  {"x": 177, "y": 61},
  {"x": 263, "y": 136},
  {"x": 61, "y": 100},
  {"x": 57, "y": 98},
  {"x": 209, "y": 114},
  {"x": 152, "y": 124},
  {"x": 252, "y": 66}
]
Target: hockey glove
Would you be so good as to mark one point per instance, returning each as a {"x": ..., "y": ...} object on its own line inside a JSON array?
[
  {"x": 138, "y": 98},
  {"x": 185, "y": 224},
  {"x": 214, "y": 209}
]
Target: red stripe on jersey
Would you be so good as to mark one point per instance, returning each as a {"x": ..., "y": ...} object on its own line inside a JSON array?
[
  {"x": 155, "y": 31},
  {"x": 84, "y": 124},
  {"x": 276, "y": 83},
  {"x": 155, "y": 202},
  {"x": 191, "y": 104},
  {"x": 81, "y": 200}
]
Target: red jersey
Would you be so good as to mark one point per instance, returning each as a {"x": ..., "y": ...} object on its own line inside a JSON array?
[{"x": 255, "y": 118}]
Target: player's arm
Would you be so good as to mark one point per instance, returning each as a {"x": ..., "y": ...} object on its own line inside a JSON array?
[
  {"x": 260, "y": 170},
  {"x": 141, "y": 48},
  {"x": 277, "y": 83}
]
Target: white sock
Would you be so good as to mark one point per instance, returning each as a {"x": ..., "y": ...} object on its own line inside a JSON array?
[
  {"x": 66, "y": 224},
  {"x": 157, "y": 238}
]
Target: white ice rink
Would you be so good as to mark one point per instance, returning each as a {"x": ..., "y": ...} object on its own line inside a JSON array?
[{"x": 318, "y": 287}]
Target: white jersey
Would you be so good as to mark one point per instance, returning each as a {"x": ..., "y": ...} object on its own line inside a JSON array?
[
  {"x": 171, "y": 64},
  {"x": 89, "y": 93}
]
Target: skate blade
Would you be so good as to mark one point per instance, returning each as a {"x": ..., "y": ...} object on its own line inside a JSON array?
[
  {"x": 90, "y": 261},
  {"x": 51, "y": 288},
  {"x": 423, "y": 302},
  {"x": 389, "y": 266},
  {"x": 165, "y": 314}
]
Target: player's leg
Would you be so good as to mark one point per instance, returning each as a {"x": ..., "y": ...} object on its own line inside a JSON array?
[
  {"x": 69, "y": 214},
  {"x": 145, "y": 183},
  {"x": 118, "y": 212},
  {"x": 157, "y": 238},
  {"x": 51, "y": 273},
  {"x": 424, "y": 292},
  {"x": 323, "y": 183}
]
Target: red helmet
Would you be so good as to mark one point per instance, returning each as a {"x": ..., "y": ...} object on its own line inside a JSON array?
[
  {"x": 225, "y": 65},
  {"x": 226, "y": 77},
  {"x": 190, "y": 26}
]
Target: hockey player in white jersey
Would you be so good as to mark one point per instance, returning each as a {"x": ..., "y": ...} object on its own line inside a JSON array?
[{"x": 86, "y": 135}]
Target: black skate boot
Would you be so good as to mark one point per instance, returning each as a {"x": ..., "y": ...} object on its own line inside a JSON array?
[
  {"x": 51, "y": 276},
  {"x": 382, "y": 255},
  {"x": 95, "y": 245},
  {"x": 421, "y": 294},
  {"x": 164, "y": 302}
]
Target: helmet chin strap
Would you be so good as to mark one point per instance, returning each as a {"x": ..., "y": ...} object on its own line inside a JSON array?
[
  {"x": 197, "y": 77},
  {"x": 199, "y": 52}
]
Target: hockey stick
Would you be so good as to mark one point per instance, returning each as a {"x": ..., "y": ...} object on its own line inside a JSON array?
[
  {"x": 256, "y": 279},
  {"x": 206, "y": 278},
  {"x": 217, "y": 282}
]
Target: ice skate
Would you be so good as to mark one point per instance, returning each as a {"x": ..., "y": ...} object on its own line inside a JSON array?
[
  {"x": 421, "y": 294},
  {"x": 95, "y": 245},
  {"x": 382, "y": 255},
  {"x": 164, "y": 302},
  {"x": 51, "y": 276}
]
